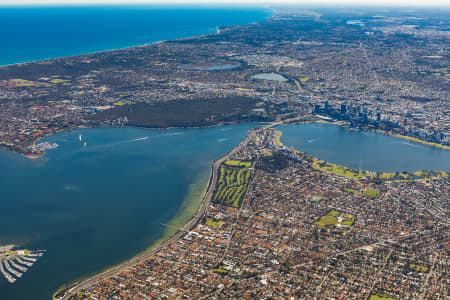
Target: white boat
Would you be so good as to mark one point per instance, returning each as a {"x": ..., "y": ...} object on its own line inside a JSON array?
[
  {"x": 8, "y": 276},
  {"x": 17, "y": 266},
  {"x": 11, "y": 270},
  {"x": 29, "y": 259},
  {"x": 22, "y": 262},
  {"x": 79, "y": 137}
]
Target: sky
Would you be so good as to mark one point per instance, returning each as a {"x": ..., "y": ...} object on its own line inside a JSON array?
[{"x": 340, "y": 2}]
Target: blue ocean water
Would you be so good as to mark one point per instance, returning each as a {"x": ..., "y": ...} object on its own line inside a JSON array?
[{"x": 35, "y": 33}]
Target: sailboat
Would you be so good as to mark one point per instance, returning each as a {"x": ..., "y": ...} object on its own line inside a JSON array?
[{"x": 79, "y": 137}]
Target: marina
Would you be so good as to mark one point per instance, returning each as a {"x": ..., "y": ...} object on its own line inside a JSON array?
[
  {"x": 15, "y": 263},
  {"x": 65, "y": 190},
  {"x": 8, "y": 276},
  {"x": 47, "y": 146}
]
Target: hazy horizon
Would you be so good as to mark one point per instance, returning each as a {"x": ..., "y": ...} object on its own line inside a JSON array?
[{"x": 385, "y": 3}]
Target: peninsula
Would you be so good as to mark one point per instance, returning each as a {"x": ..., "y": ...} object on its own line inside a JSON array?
[
  {"x": 355, "y": 67},
  {"x": 275, "y": 224}
]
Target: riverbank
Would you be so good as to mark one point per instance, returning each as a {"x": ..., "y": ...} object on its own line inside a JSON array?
[
  {"x": 190, "y": 205},
  {"x": 419, "y": 141},
  {"x": 404, "y": 137},
  {"x": 358, "y": 173},
  {"x": 173, "y": 234},
  {"x": 175, "y": 229}
]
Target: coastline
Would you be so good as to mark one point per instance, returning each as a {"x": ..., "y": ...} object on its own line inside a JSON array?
[
  {"x": 171, "y": 231},
  {"x": 212, "y": 32},
  {"x": 171, "y": 235},
  {"x": 340, "y": 124}
]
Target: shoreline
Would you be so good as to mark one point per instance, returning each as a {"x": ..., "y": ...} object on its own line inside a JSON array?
[
  {"x": 172, "y": 232},
  {"x": 419, "y": 141},
  {"x": 169, "y": 236},
  {"x": 340, "y": 124},
  {"x": 212, "y": 32},
  {"x": 175, "y": 231},
  {"x": 358, "y": 174},
  {"x": 37, "y": 155},
  {"x": 394, "y": 135}
]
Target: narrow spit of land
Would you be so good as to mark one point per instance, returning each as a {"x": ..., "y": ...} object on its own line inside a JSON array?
[
  {"x": 357, "y": 228},
  {"x": 173, "y": 239},
  {"x": 66, "y": 293}
]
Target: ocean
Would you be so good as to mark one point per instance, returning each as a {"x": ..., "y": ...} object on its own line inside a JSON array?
[
  {"x": 30, "y": 33},
  {"x": 95, "y": 206}
]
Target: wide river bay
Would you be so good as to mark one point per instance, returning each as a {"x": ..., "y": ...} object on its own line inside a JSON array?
[
  {"x": 97, "y": 205},
  {"x": 363, "y": 150}
]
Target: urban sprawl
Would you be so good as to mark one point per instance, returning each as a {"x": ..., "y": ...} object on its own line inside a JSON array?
[
  {"x": 280, "y": 227},
  {"x": 275, "y": 223}
]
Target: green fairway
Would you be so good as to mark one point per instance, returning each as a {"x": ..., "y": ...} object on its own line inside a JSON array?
[
  {"x": 238, "y": 163},
  {"x": 232, "y": 184}
]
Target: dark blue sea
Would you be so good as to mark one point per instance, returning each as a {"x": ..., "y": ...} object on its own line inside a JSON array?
[{"x": 37, "y": 33}]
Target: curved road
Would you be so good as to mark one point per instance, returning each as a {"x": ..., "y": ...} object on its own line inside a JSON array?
[{"x": 178, "y": 235}]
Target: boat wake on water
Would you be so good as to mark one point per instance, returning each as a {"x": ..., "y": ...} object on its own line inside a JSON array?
[
  {"x": 412, "y": 145},
  {"x": 118, "y": 143},
  {"x": 169, "y": 134}
]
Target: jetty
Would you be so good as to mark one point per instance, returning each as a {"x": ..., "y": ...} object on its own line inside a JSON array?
[
  {"x": 8, "y": 276},
  {"x": 15, "y": 263},
  {"x": 11, "y": 270}
]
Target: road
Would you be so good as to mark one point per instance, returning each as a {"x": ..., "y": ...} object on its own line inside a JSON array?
[{"x": 178, "y": 235}]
